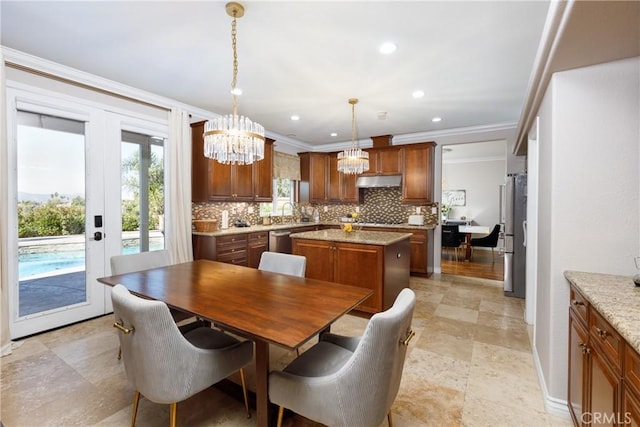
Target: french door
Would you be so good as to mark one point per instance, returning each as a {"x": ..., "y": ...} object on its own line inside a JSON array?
[{"x": 67, "y": 218}]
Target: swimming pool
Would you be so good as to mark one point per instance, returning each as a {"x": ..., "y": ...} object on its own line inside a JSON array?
[{"x": 32, "y": 265}]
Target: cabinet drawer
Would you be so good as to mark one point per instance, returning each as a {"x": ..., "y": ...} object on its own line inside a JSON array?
[
  {"x": 580, "y": 305},
  {"x": 234, "y": 238},
  {"x": 234, "y": 257},
  {"x": 261, "y": 237},
  {"x": 607, "y": 339},
  {"x": 632, "y": 369}
]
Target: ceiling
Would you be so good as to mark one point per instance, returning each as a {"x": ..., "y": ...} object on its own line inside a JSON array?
[{"x": 473, "y": 60}]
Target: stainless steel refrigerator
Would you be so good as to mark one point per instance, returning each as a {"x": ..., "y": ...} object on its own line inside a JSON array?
[{"x": 513, "y": 217}]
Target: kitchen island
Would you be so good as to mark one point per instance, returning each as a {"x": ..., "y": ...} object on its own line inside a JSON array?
[{"x": 376, "y": 260}]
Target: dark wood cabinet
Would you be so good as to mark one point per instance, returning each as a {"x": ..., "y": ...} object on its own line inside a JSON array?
[
  {"x": 417, "y": 173},
  {"x": 231, "y": 249},
  {"x": 383, "y": 269},
  {"x": 384, "y": 161},
  {"x": 213, "y": 181},
  {"x": 257, "y": 243},
  {"x": 419, "y": 247},
  {"x": 334, "y": 180},
  {"x": 595, "y": 384},
  {"x": 314, "y": 177}
]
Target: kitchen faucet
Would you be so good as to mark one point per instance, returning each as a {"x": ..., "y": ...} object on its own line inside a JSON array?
[{"x": 283, "y": 206}]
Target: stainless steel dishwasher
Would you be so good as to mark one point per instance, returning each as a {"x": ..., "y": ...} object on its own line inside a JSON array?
[{"x": 279, "y": 241}]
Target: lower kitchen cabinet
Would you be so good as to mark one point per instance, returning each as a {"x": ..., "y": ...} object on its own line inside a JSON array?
[
  {"x": 231, "y": 249},
  {"x": 383, "y": 269},
  {"x": 257, "y": 243},
  {"x": 595, "y": 384},
  {"x": 419, "y": 246}
]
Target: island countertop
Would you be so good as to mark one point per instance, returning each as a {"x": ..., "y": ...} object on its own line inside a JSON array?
[
  {"x": 364, "y": 237},
  {"x": 616, "y": 298}
]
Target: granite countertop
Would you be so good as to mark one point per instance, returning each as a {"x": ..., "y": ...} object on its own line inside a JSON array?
[
  {"x": 293, "y": 226},
  {"x": 381, "y": 238},
  {"x": 615, "y": 297}
]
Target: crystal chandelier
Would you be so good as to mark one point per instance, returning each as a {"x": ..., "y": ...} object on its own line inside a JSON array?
[
  {"x": 353, "y": 160},
  {"x": 234, "y": 139}
]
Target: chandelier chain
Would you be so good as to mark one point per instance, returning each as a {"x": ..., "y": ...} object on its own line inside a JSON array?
[{"x": 234, "y": 43}]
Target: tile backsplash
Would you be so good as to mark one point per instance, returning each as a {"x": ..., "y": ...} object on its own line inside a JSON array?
[{"x": 380, "y": 205}]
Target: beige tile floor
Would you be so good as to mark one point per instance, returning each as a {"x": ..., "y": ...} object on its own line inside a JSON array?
[{"x": 469, "y": 365}]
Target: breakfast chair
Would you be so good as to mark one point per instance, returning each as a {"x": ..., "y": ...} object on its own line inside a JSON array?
[
  {"x": 489, "y": 241},
  {"x": 452, "y": 238},
  {"x": 166, "y": 366},
  {"x": 277, "y": 262},
  {"x": 349, "y": 381},
  {"x": 121, "y": 264}
]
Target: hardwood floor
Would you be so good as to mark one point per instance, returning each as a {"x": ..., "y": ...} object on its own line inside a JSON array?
[{"x": 481, "y": 265}]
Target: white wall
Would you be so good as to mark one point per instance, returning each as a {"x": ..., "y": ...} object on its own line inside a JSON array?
[
  {"x": 589, "y": 196},
  {"x": 481, "y": 181}
]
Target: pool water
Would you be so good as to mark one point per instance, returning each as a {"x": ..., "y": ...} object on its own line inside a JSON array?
[{"x": 37, "y": 264}]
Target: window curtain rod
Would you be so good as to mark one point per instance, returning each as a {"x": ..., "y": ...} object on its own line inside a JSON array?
[{"x": 72, "y": 82}]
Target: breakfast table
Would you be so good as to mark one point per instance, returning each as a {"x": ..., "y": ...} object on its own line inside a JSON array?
[
  {"x": 468, "y": 230},
  {"x": 265, "y": 307}
]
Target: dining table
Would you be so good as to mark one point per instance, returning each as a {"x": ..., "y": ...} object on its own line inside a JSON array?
[
  {"x": 265, "y": 307},
  {"x": 468, "y": 230}
]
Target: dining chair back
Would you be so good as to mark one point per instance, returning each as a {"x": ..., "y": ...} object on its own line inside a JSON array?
[
  {"x": 164, "y": 365},
  {"x": 489, "y": 241},
  {"x": 121, "y": 264},
  {"x": 349, "y": 381},
  {"x": 452, "y": 238},
  {"x": 277, "y": 262}
]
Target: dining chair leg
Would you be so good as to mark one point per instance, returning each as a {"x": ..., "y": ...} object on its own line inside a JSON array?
[
  {"x": 244, "y": 393},
  {"x": 136, "y": 400},
  {"x": 280, "y": 413},
  {"x": 174, "y": 414},
  {"x": 389, "y": 419}
]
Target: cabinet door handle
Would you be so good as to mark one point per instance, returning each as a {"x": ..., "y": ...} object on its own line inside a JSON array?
[
  {"x": 577, "y": 303},
  {"x": 601, "y": 332},
  {"x": 584, "y": 348}
]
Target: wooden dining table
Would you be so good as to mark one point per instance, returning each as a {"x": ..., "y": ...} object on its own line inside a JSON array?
[
  {"x": 468, "y": 230},
  {"x": 267, "y": 308}
]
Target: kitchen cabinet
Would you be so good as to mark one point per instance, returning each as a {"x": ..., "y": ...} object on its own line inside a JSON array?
[
  {"x": 596, "y": 351},
  {"x": 257, "y": 243},
  {"x": 381, "y": 268},
  {"x": 417, "y": 173},
  {"x": 419, "y": 248},
  {"x": 213, "y": 181},
  {"x": 314, "y": 177},
  {"x": 231, "y": 249},
  {"x": 322, "y": 183},
  {"x": 384, "y": 161}
]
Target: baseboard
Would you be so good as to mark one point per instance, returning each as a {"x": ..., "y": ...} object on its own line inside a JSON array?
[{"x": 552, "y": 405}]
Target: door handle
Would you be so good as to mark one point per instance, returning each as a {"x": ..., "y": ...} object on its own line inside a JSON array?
[{"x": 97, "y": 236}]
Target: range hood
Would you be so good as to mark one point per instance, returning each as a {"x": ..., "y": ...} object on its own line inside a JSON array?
[{"x": 379, "y": 181}]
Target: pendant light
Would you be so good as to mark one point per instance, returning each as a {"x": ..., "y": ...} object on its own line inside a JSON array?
[
  {"x": 233, "y": 139},
  {"x": 353, "y": 160}
]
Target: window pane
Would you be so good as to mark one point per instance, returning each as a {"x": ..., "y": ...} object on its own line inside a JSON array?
[{"x": 142, "y": 180}]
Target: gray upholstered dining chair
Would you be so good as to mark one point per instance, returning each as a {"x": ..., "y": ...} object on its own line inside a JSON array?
[
  {"x": 121, "y": 264},
  {"x": 277, "y": 262},
  {"x": 166, "y": 366},
  {"x": 349, "y": 381}
]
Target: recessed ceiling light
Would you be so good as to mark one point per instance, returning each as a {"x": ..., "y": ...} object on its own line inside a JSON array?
[
  {"x": 436, "y": 119},
  {"x": 417, "y": 94},
  {"x": 387, "y": 48},
  {"x": 295, "y": 117},
  {"x": 382, "y": 115},
  {"x": 236, "y": 91},
  {"x": 333, "y": 134}
]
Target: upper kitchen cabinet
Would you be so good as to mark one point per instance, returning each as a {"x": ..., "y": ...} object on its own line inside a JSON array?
[
  {"x": 213, "y": 181},
  {"x": 417, "y": 173},
  {"x": 314, "y": 177},
  {"x": 341, "y": 187},
  {"x": 384, "y": 161}
]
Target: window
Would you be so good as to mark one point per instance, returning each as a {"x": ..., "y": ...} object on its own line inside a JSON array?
[{"x": 282, "y": 198}]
